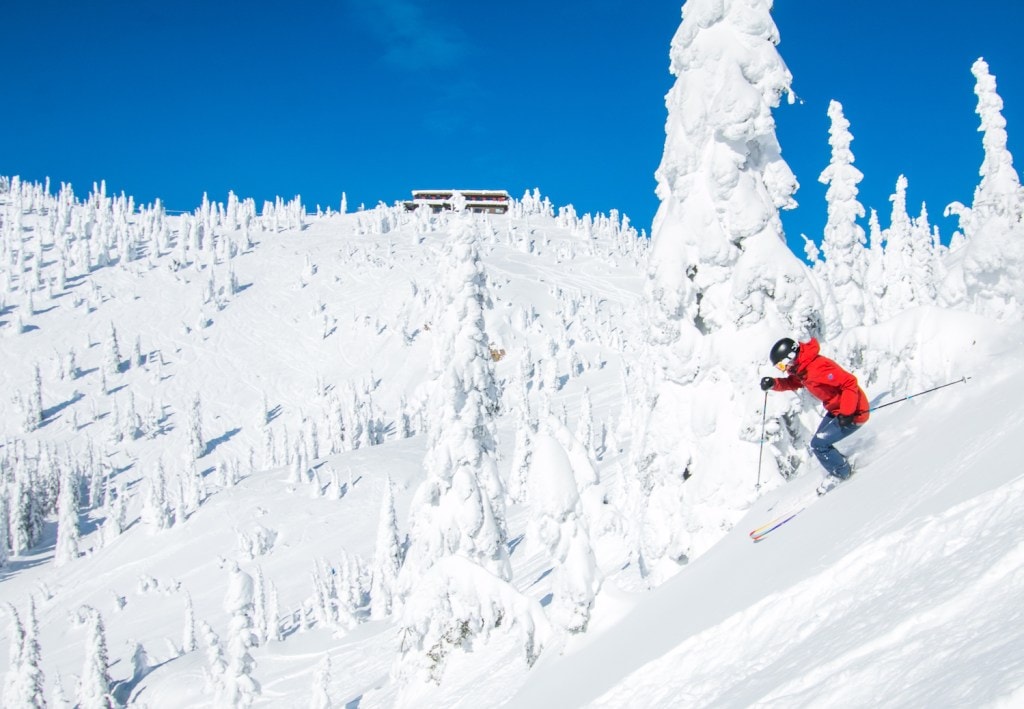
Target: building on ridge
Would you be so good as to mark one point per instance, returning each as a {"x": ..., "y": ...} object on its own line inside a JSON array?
[{"x": 489, "y": 201}]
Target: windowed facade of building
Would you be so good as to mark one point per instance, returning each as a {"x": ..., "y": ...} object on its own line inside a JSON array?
[{"x": 489, "y": 201}]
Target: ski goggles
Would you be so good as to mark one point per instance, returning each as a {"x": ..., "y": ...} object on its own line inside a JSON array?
[{"x": 785, "y": 364}]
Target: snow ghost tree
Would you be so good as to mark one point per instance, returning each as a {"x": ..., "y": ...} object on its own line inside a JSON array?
[
  {"x": 67, "y": 518},
  {"x": 460, "y": 507},
  {"x": 456, "y": 604},
  {"x": 94, "y": 684},
  {"x": 722, "y": 284},
  {"x": 993, "y": 262},
  {"x": 23, "y": 684},
  {"x": 387, "y": 559},
  {"x": 843, "y": 243},
  {"x": 239, "y": 688},
  {"x": 454, "y": 584},
  {"x": 561, "y": 527},
  {"x": 910, "y": 259}
]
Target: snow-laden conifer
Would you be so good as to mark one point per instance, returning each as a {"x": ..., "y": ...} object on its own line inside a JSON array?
[
  {"x": 522, "y": 454},
  {"x": 455, "y": 604},
  {"x": 11, "y": 690},
  {"x": 5, "y": 521},
  {"x": 875, "y": 279},
  {"x": 31, "y": 679},
  {"x": 899, "y": 256},
  {"x": 321, "y": 695},
  {"x": 112, "y": 352},
  {"x": 259, "y": 606},
  {"x": 36, "y": 396},
  {"x": 239, "y": 688},
  {"x": 94, "y": 681},
  {"x": 196, "y": 438},
  {"x": 68, "y": 533},
  {"x": 722, "y": 284},
  {"x": 387, "y": 558},
  {"x": 993, "y": 260},
  {"x": 585, "y": 423},
  {"x": 188, "y": 631},
  {"x": 156, "y": 509},
  {"x": 460, "y": 507},
  {"x": 559, "y": 524},
  {"x": 843, "y": 244},
  {"x": 215, "y": 663}
]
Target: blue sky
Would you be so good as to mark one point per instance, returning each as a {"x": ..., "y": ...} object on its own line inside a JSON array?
[{"x": 379, "y": 97}]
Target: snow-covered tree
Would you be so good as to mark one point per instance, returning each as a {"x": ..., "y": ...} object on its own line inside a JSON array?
[
  {"x": 196, "y": 439},
  {"x": 722, "y": 284},
  {"x": 31, "y": 682},
  {"x": 36, "y": 397},
  {"x": 460, "y": 507},
  {"x": 993, "y": 261},
  {"x": 560, "y": 526},
  {"x": 387, "y": 558},
  {"x": 272, "y": 613},
  {"x": 843, "y": 244},
  {"x": 117, "y": 519},
  {"x": 899, "y": 259},
  {"x": 259, "y": 606},
  {"x": 454, "y": 581},
  {"x": 215, "y": 663},
  {"x": 11, "y": 691},
  {"x": 112, "y": 352},
  {"x": 522, "y": 454},
  {"x": 456, "y": 603},
  {"x": 239, "y": 688},
  {"x": 68, "y": 533},
  {"x": 5, "y": 521},
  {"x": 875, "y": 282},
  {"x": 94, "y": 682},
  {"x": 188, "y": 632},
  {"x": 156, "y": 509},
  {"x": 321, "y": 696},
  {"x": 585, "y": 424}
]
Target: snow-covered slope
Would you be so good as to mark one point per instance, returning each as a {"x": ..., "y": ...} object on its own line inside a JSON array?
[{"x": 899, "y": 588}]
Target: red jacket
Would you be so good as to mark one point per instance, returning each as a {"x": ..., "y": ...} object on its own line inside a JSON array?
[{"x": 826, "y": 380}]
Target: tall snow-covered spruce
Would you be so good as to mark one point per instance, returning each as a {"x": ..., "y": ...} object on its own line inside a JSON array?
[
  {"x": 722, "y": 284},
  {"x": 454, "y": 584},
  {"x": 992, "y": 270},
  {"x": 845, "y": 268},
  {"x": 460, "y": 507}
]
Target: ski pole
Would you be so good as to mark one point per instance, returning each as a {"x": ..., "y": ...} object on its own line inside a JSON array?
[
  {"x": 760, "y": 455},
  {"x": 962, "y": 380}
]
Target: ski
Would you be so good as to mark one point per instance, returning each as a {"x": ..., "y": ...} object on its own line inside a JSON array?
[
  {"x": 801, "y": 505},
  {"x": 760, "y": 533}
]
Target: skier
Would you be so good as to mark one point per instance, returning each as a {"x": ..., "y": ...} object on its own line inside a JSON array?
[{"x": 845, "y": 402}]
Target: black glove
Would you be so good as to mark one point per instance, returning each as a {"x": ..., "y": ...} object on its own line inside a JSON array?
[
  {"x": 767, "y": 383},
  {"x": 844, "y": 421}
]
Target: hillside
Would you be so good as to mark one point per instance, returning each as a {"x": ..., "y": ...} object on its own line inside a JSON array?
[
  {"x": 309, "y": 348},
  {"x": 309, "y": 343}
]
